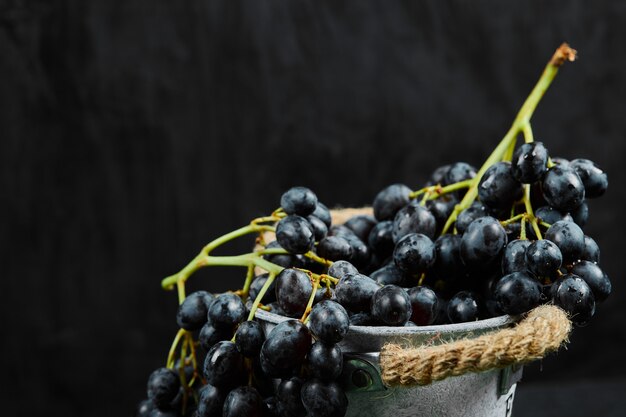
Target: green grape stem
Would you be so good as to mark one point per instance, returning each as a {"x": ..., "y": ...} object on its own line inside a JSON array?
[{"x": 520, "y": 124}]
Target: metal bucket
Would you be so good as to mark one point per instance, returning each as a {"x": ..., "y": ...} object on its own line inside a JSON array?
[{"x": 482, "y": 394}]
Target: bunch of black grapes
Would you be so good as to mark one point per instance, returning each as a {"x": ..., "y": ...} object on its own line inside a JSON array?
[{"x": 392, "y": 268}]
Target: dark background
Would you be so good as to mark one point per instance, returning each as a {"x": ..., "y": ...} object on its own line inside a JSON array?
[{"x": 132, "y": 132}]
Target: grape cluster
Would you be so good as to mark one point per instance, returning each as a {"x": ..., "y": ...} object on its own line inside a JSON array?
[{"x": 470, "y": 244}]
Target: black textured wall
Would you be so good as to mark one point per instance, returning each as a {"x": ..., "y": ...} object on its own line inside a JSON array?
[{"x": 132, "y": 132}]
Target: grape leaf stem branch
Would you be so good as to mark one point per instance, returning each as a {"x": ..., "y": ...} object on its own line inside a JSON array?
[{"x": 520, "y": 124}]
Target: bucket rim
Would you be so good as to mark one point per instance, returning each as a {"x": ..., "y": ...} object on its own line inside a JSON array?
[{"x": 492, "y": 323}]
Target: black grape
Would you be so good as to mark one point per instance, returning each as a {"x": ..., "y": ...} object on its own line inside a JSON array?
[
  {"x": 593, "y": 177},
  {"x": 570, "y": 239},
  {"x": 414, "y": 253},
  {"x": 391, "y": 199},
  {"x": 361, "y": 225},
  {"x": 226, "y": 311},
  {"x": 529, "y": 162},
  {"x": 329, "y": 321},
  {"x": 293, "y": 289},
  {"x": 597, "y": 280},
  {"x": 249, "y": 338},
  {"x": 463, "y": 307},
  {"x": 324, "y": 399},
  {"x": 243, "y": 402},
  {"x": 285, "y": 348},
  {"x": 380, "y": 239},
  {"x": 163, "y": 385},
  {"x": 498, "y": 188},
  {"x": 424, "y": 305},
  {"x": 413, "y": 218},
  {"x": 340, "y": 268},
  {"x": 298, "y": 200},
  {"x": 572, "y": 294},
  {"x": 562, "y": 188},
  {"x": 391, "y": 305},
  {"x": 325, "y": 361},
  {"x": 482, "y": 243},
  {"x": 518, "y": 293},
  {"x": 591, "y": 252},
  {"x": 224, "y": 366},
  {"x": 514, "y": 256},
  {"x": 334, "y": 248},
  {"x": 355, "y": 292},
  {"x": 543, "y": 258},
  {"x": 295, "y": 234},
  {"x": 192, "y": 313}
]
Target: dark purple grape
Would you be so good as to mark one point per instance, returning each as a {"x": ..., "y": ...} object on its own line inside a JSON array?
[
  {"x": 463, "y": 307},
  {"x": 591, "y": 252},
  {"x": 423, "y": 305},
  {"x": 227, "y": 311},
  {"x": 580, "y": 214},
  {"x": 391, "y": 305},
  {"x": 529, "y": 162},
  {"x": 459, "y": 171},
  {"x": 482, "y": 243},
  {"x": 325, "y": 361},
  {"x": 334, "y": 248},
  {"x": 438, "y": 175},
  {"x": 380, "y": 239},
  {"x": 570, "y": 239},
  {"x": 329, "y": 321},
  {"x": 361, "y": 225},
  {"x": 210, "y": 335},
  {"x": 322, "y": 213},
  {"x": 355, "y": 292},
  {"x": 224, "y": 366},
  {"x": 391, "y": 199},
  {"x": 299, "y": 200},
  {"x": 447, "y": 256},
  {"x": 324, "y": 399},
  {"x": 572, "y": 294},
  {"x": 340, "y": 268},
  {"x": 414, "y": 253},
  {"x": 391, "y": 274},
  {"x": 249, "y": 338},
  {"x": 293, "y": 289},
  {"x": 514, "y": 256},
  {"x": 562, "y": 188},
  {"x": 518, "y": 293},
  {"x": 551, "y": 215},
  {"x": 413, "y": 218},
  {"x": 442, "y": 311},
  {"x": 473, "y": 212},
  {"x": 597, "y": 280},
  {"x": 163, "y": 385},
  {"x": 285, "y": 348},
  {"x": 210, "y": 402},
  {"x": 593, "y": 177},
  {"x": 295, "y": 234},
  {"x": 285, "y": 260},
  {"x": 256, "y": 286},
  {"x": 288, "y": 396},
  {"x": 320, "y": 230},
  {"x": 498, "y": 188},
  {"x": 192, "y": 313},
  {"x": 543, "y": 258},
  {"x": 243, "y": 402}
]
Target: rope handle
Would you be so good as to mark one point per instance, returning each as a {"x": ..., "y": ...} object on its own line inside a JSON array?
[{"x": 543, "y": 331}]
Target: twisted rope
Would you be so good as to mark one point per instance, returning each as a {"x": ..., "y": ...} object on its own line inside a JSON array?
[{"x": 543, "y": 331}]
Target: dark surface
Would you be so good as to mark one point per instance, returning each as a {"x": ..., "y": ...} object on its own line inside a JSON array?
[{"x": 131, "y": 133}]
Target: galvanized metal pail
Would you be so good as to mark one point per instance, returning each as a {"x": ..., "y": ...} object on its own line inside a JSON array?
[{"x": 483, "y": 394}]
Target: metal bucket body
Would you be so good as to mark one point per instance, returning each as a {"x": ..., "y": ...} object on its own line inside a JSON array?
[{"x": 482, "y": 394}]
